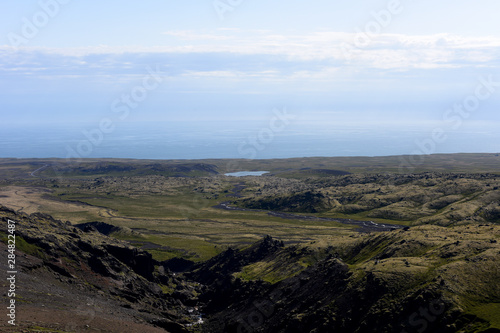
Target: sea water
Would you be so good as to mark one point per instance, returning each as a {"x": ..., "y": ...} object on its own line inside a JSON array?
[{"x": 249, "y": 140}]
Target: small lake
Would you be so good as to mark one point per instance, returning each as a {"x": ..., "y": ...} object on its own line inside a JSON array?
[{"x": 246, "y": 173}]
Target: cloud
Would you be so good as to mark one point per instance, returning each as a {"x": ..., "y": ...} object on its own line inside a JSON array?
[
  {"x": 260, "y": 51},
  {"x": 189, "y": 35},
  {"x": 311, "y": 45},
  {"x": 426, "y": 51},
  {"x": 322, "y": 61}
]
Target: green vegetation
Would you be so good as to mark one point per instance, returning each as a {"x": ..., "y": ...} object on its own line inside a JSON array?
[
  {"x": 172, "y": 209},
  {"x": 28, "y": 248},
  {"x": 284, "y": 266},
  {"x": 176, "y": 215},
  {"x": 167, "y": 289},
  {"x": 22, "y": 245},
  {"x": 490, "y": 312}
]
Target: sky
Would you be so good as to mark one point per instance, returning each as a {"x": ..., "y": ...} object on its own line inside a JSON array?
[{"x": 392, "y": 63}]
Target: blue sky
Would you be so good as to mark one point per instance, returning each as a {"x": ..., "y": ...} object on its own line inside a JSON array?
[{"x": 391, "y": 63}]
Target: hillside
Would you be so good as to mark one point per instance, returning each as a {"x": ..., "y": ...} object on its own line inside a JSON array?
[
  {"x": 427, "y": 278},
  {"x": 423, "y": 198},
  {"x": 70, "y": 280},
  {"x": 315, "y": 245}
]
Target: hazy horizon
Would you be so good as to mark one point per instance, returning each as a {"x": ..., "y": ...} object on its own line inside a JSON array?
[{"x": 365, "y": 78}]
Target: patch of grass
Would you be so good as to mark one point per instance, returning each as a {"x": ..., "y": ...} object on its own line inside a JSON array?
[
  {"x": 22, "y": 245},
  {"x": 147, "y": 206},
  {"x": 169, "y": 246},
  {"x": 166, "y": 289},
  {"x": 162, "y": 255},
  {"x": 368, "y": 250},
  {"x": 489, "y": 312},
  {"x": 280, "y": 268},
  {"x": 268, "y": 272}
]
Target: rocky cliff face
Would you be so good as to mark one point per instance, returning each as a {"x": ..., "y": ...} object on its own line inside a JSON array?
[
  {"x": 61, "y": 264},
  {"x": 326, "y": 297},
  {"x": 388, "y": 282}
]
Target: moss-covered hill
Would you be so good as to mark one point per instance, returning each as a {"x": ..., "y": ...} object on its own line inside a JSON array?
[
  {"x": 71, "y": 280},
  {"x": 425, "y": 198},
  {"x": 425, "y": 279}
]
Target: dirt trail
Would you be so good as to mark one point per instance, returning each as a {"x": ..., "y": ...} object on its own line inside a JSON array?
[{"x": 33, "y": 174}]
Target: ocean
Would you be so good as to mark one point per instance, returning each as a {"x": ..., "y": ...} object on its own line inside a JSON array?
[{"x": 250, "y": 140}]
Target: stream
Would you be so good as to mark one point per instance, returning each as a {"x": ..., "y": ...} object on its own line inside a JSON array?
[{"x": 364, "y": 226}]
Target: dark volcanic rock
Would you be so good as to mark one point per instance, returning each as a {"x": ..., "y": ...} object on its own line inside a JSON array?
[
  {"x": 230, "y": 261},
  {"x": 140, "y": 261},
  {"x": 306, "y": 202},
  {"x": 103, "y": 228},
  {"x": 178, "y": 264},
  {"x": 122, "y": 274}
]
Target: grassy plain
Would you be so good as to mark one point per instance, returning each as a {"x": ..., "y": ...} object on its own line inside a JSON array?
[
  {"x": 170, "y": 204},
  {"x": 450, "y": 202}
]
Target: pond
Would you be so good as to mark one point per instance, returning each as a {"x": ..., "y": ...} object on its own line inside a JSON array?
[{"x": 246, "y": 173}]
